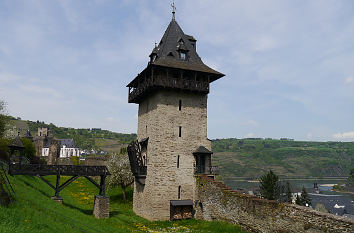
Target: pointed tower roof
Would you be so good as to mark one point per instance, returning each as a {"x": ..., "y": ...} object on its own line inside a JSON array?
[
  {"x": 16, "y": 143},
  {"x": 173, "y": 42}
]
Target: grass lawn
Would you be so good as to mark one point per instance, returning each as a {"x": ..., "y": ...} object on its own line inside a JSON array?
[{"x": 34, "y": 211}]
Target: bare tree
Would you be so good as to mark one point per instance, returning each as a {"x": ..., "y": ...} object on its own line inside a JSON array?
[{"x": 121, "y": 175}]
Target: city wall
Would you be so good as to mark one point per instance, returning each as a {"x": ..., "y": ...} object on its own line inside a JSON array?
[{"x": 217, "y": 202}]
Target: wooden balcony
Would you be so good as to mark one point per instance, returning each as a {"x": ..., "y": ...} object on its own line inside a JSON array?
[
  {"x": 208, "y": 170},
  {"x": 158, "y": 82}
]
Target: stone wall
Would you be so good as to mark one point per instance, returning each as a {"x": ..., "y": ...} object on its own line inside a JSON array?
[
  {"x": 159, "y": 119},
  {"x": 218, "y": 202},
  {"x": 96, "y": 161},
  {"x": 54, "y": 152}
]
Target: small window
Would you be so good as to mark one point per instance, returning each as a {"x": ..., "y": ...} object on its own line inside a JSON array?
[
  {"x": 177, "y": 161},
  {"x": 179, "y": 192},
  {"x": 180, "y": 105},
  {"x": 146, "y": 129},
  {"x": 183, "y": 56},
  {"x": 180, "y": 132}
]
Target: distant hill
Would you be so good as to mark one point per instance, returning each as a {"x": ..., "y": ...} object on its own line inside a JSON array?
[
  {"x": 85, "y": 138},
  {"x": 249, "y": 158},
  {"x": 253, "y": 157}
]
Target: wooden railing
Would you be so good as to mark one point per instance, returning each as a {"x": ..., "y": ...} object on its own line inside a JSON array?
[
  {"x": 66, "y": 170},
  {"x": 212, "y": 170},
  {"x": 167, "y": 82}
]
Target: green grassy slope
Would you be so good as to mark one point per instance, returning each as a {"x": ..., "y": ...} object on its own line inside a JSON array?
[
  {"x": 34, "y": 211},
  {"x": 253, "y": 157}
]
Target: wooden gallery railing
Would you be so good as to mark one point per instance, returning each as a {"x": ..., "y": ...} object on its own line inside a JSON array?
[{"x": 167, "y": 82}]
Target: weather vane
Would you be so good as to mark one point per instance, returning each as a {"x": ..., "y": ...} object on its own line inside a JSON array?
[{"x": 173, "y": 9}]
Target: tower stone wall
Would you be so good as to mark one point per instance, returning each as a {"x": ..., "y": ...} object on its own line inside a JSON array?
[{"x": 159, "y": 118}]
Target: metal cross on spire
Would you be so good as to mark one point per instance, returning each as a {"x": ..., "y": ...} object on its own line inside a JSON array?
[{"x": 173, "y": 9}]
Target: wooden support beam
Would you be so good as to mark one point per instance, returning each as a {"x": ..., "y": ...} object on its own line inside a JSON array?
[
  {"x": 92, "y": 181},
  {"x": 69, "y": 181},
  {"x": 47, "y": 182}
]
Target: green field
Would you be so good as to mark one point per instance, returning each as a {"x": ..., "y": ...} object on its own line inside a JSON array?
[{"x": 34, "y": 211}]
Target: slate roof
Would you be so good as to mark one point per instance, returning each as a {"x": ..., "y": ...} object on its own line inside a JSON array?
[
  {"x": 181, "y": 202},
  {"x": 28, "y": 134},
  {"x": 335, "y": 204},
  {"x": 69, "y": 143},
  {"x": 202, "y": 150},
  {"x": 167, "y": 52},
  {"x": 17, "y": 142},
  {"x": 173, "y": 40}
]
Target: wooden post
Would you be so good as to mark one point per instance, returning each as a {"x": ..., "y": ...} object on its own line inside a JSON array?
[{"x": 103, "y": 186}]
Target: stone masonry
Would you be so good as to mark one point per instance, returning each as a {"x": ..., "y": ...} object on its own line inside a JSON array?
[
  {"x": 218, "y": 202},
  {"x": 160, "y": 119},
  {"x": 101, "y": 207}
]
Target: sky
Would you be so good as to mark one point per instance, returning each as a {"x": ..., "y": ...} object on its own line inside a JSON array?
[{"x": 289, "y": 64}]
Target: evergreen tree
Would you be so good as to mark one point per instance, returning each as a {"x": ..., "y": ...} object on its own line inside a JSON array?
[
  {"x": 269, "y": 186},
  {"x": 304, "y": 199}
]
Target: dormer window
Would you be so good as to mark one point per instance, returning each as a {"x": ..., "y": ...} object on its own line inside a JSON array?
[
  {"x": 153, "y": 57},
  {"x": 183, "y": 55}
]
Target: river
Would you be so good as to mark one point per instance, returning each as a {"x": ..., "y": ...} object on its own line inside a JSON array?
[{"x": 324, "y": 184}]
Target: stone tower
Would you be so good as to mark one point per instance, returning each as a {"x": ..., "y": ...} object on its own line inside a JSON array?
[{"x": 172, "y": 147}]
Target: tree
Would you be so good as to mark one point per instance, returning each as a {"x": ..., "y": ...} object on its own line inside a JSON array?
[
  {"x": 351, "y": 177},
  {"x": 269, "y": 186},
  {"x": 121, "y": 175},
  {"x": 29, "y": 150},
  {"x": 2, "y": 118},
  {"x": 304, "y": 199}
]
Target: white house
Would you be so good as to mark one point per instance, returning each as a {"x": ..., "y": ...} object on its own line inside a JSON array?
[{"x": 68, "y": 148}]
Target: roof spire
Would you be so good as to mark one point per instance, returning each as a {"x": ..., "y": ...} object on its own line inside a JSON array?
[{"x": 173, "y": 9}]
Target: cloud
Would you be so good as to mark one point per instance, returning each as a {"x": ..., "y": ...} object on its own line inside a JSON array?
[
  {"x": 309, "y": 135},
  {"x": 345, "y": 135},
  {"x": 349, "y": 80},
  {"x": 251, "y": 123},
  {"x": 250, "y": 135}
]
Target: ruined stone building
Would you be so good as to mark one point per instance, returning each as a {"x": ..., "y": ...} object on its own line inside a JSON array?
[
  {"x": 41, "y": 139},
  {"x": 172, "y": 148}
]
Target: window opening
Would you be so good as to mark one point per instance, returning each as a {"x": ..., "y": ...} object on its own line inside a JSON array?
[
  {"x": 177, "y": 161},
  {"x": 180, "y": 105},
  {"x": 183, "y": 56},
  {"x": 179, "y": 192},
  {"x": 180, "y": 131}
]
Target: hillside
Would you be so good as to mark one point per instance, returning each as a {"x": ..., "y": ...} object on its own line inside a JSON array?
[
  {"x": 248, "y": 158},
  {"x": 34, "y": 211},
  {"x": 84, "y": 138},
  {"x": 251, "y": 158}
]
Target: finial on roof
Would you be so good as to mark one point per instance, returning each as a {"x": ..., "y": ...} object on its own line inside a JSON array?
[
  {"x": 155, "y": 44},
  {"x": 173, "y": 10}
]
